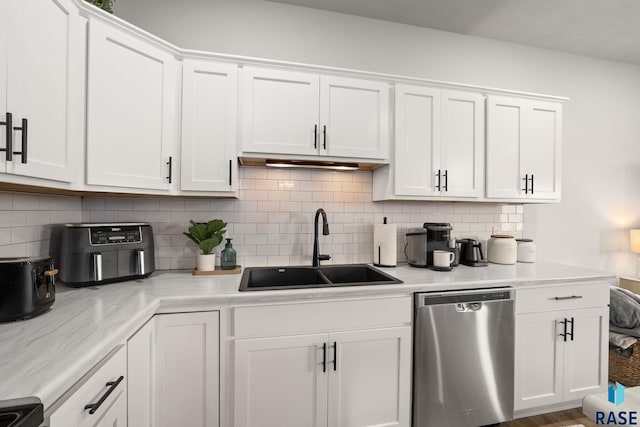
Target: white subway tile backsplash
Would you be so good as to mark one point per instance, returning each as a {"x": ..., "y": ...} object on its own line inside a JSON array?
[{"x": 271, "y": 223}]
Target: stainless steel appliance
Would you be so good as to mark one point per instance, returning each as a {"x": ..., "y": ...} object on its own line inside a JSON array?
[
  {"x": 27, "y": 287},
  {"x": 421, "y": 242},
  {"x": 416, "y": 247},
  {"x": 463, "y": 358},
  {"x": 21, "y": 412},
  {"x": 92, "y": 254}
]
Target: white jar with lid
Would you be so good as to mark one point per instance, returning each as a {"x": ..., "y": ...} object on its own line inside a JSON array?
[
  {"x": 502, "y": 249},
  {"x": 526, "y": 250}
]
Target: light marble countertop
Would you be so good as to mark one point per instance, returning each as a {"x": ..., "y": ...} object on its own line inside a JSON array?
[{"x": 46, "y": 355}]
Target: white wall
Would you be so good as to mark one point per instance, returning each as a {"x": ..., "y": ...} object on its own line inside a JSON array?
[{"x": 601, "y": 151}]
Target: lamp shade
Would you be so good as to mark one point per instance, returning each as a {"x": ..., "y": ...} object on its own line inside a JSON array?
[{"x": 634, "y": 241}]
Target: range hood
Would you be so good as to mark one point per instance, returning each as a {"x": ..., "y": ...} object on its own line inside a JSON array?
[{"x": 308, "y": 164}]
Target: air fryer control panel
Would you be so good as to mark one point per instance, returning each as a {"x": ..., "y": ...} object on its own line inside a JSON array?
[{"x": 115, "y": 235}]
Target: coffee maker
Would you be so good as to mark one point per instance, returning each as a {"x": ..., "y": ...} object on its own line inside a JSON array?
[
  {"x": 438, "y": 235},
  {"x": 421, "y": 242}
]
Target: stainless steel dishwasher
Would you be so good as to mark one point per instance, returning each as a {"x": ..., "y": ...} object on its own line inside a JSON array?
[{"x": 463, "y": 358}]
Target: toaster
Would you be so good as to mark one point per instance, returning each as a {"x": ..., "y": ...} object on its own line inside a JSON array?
[
  {"x": 94, "y": 254},
  {"x": 27, "y": 287}
]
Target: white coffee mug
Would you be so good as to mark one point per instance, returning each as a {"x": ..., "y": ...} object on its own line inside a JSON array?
[{"x": 443, "y": 258}]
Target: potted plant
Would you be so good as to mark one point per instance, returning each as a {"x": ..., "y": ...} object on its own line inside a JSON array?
[
  {"x": 207, "y": 235},
  {"x": 103, "y": 4}
]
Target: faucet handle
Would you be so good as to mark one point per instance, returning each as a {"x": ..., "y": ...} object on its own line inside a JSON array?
[{"x": 324, "y": 257}]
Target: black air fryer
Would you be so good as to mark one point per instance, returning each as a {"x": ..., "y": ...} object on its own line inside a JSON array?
[
  {"x": 95, "y": 254},
  {"x": 27, "y": 287}
]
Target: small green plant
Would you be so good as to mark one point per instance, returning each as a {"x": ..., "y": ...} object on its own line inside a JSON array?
[
  {"x": 103, "y": 4},
  {"x": 207, "y": 235}
]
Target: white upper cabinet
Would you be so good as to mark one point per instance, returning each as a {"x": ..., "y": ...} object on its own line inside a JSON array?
[
  {"x": 41, "y": 54},
  {"x": 439, "y": 142},
  {"x": 208, "y": 144},
  {"x": 279, "y": 111},
  {"x": 296, "y": 113},
  {"x": 354, "y": 115},
  {"x": 523, "y": 148},
  {"x": 417, "y": 137},
  {"x": 132, "y": 110}
]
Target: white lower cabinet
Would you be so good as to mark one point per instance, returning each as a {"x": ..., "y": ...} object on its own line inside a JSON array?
[
  {"x": 561, "y": 355},
  {"x": 173, "y": 365},
  {"x": 336, "y": 378},
  {"x": 99, "y": 398}
]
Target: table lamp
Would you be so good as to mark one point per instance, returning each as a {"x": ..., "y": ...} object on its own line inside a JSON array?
[{"x": 634, "y": 244}]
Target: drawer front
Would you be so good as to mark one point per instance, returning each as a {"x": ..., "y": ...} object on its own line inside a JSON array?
[
  {"x": 284, "y": 319},
  {"x": 562, "y": 297},
  {"x": 90, "y": 389}
]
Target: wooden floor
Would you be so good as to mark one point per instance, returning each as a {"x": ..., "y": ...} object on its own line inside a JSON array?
[{"x": 562, "y": 418}]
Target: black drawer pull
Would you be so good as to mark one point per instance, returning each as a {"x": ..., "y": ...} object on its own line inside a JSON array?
[
  {"x": 564, "y": 330},
  {"x": 324, "y": 135},
  {"x": 315, "y": 136},
  {"x": 230, "y": 168},
  {"x": 439, "y": 176},
  {"x": 170, "y": 164},
  {"x": 93, "y": 407},
  {"x": 335, "y": 356},
  {"x": 569, "y": 297},
  {"x": 526, "y": 184},
  {"x": 8, "y": 122}
]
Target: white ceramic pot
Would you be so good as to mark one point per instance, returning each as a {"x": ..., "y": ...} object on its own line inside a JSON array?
[
  {"x": 502, "y": 249},
  {"x": 206, "y": 262}
]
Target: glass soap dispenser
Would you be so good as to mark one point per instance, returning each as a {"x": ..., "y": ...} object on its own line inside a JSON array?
[{"x": 228, "y": 257}]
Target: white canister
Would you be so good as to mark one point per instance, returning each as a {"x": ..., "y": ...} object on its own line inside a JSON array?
[
  {"x": 502, "y": 249},
  {"x": 526, "y": 250}
]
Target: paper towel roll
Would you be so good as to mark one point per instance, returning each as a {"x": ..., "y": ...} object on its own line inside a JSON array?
[{"x": 385, "y": 245}]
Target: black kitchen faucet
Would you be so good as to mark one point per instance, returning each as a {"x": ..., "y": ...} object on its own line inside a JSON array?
[{"x": 325, "y": 232}]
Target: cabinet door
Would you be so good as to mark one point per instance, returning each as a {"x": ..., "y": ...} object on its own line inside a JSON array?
[
  {"x": 209, "y": 99},
  {"x": 141, "y": 363},
  {"x": 462, "y": 144},
  {"x": 540, "y": 154},
  {"x": 505, "y": 121},
  {"x": 356, "y": 116},
  {"x": 417, "y": 140},
  {"x": 279, "y": 111},
  {"x": 44, "y": 86},
  {"x": 369, "y": 377},
  {"x": 116, "y": 416},
  {"x": 188, "y": 363},
  {"x": 538, "y": 360},
  {"x": 132, "y": 115},
  {"x": 586, "y": 353},
  {"x": 280, "y": 382}
]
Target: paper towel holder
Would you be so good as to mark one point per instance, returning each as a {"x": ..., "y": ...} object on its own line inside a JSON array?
[{"x": 391, "y": 241}]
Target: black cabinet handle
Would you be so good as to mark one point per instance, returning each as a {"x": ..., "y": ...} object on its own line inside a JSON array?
[
  {"x": 564, "y": 329},
  {"x": 531, "y": 183},
  {"x": 571, "y": 333},
  {"x": 324, "y": 135},
  {"x": 438, "y": 176},
  {"x": 23, "y": 128},
  {"x": 526, "y": 184},
  {"x": 446, "y": 180},
  {"x": 230, "y": 166},
  {"x": 324, "y": 357},
  {"x": 335, "y": 356},
  {"x": 569, "y": 297},
  {"x": 93, "y": 407},
  {"x": 170, "y": 164},
  {"x": 8, "y": 122},
  {"x": 315, "y": 136}
]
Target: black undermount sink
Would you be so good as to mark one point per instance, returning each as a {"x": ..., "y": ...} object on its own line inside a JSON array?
[{"x": 300, "y": 277}]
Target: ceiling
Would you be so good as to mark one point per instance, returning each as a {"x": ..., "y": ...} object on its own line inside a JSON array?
[{"x": 608, "y": 29}]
